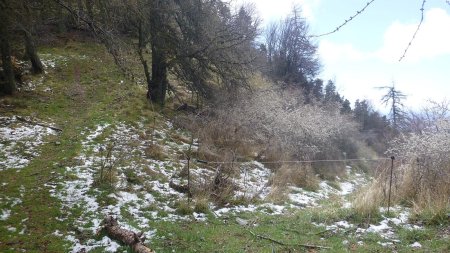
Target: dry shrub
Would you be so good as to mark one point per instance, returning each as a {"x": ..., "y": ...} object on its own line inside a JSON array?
[
  {"x": 421, "y": 177},
  {"x": 274, "y": 125},
  {"x": 201, "y": 205},
  {"x": 278, "y": 195},
  {"x": 208, "y": 153},
  {"x": 222, "y": 187},
  {"x": 330, "y": 170},
  {"x": 299, "y": 175},
  {"x": 156, "y": 152}
]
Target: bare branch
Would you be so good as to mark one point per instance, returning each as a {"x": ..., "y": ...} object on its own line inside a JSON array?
[
  {"x": 415, "y": 33},
  {"x": 346, "y": 21}
]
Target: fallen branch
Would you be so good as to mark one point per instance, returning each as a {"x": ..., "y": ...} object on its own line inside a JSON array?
[
  {"x": 323, "y": 231},
  {"x": 38, "y": 124},
  {"x": 309, "y": 246},
  {"x": 135, "y": 241},
  {"x": 267, "y": 238}
]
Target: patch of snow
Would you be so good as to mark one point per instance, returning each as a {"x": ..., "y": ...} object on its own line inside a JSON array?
[
  {"x": 274, "y": 209},
  {"x": 337, "y": 225},
  {"x": 199, "y": 216},
  {"x": 385, "y": 244},
  {"x": 57, "y": 233},
  {"x": 5, "y": 214},
  {"x": 11, "y": 228},
  {"x": 379, "y": 229},
  {"x": 132, "y": 201},
  {"x": 416, "y": 245},
  {"x": 235, "y": 209},
  {"x": 19, "y": 142},
  {"x": 347, "y": 188},
  {"x": 347, "y": 205},
  {"x": 110, "y": 246},
  {"x": 252, "y": 181},
  {"x": 302, "y": 199},
  {"x": 305, "y": 198}
]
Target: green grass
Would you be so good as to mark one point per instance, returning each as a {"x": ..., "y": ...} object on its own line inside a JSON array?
[{"x": 77, "y": 101}]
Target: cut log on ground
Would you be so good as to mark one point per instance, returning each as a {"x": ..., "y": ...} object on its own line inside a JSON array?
[{"x": 135, "y": 241}]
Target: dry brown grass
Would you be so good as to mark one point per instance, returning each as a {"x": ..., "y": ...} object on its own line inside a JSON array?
[
  {"x": 368, "y": 200},
  {"x": 412, "y": 185},
  {"x": 299, "y": 175},
  {"x": 155, "y": 152},
  {"x": 278, "y": 195}
]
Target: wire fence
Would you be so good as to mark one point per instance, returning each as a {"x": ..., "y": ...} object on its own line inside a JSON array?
[
  {"x": 294, "y": 161},
  {"x": 380, "y": 169}
]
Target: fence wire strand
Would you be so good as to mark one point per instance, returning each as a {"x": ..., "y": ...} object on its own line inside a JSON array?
[{"x": 296, "y": 161}]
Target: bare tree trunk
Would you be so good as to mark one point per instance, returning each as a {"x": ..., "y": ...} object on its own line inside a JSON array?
[
  {"x": 61, "y": 19},
  {"x": 158, "y": 84},
  {"x": 141, "y": 47},
  {"x": 79, "y": 12},
  {"x": 30, "y": 48},
  {"x": 9, "y": 87},
  {"x": 90, "y": 8},
  {"x": 10, "y": 83}
]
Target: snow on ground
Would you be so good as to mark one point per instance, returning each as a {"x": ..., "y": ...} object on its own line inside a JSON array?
[
  {"x": 5, "y": 214},
  {"x": 19, "y": 142},
  {"x": 252, "y": 180},
  {"x": 386, "y": 228},
  {"x": 120, "y": 151},
  {"x": 51, "y": 61},
  {"x": 125, "y": 156},
  {"x": 7, "y": 203}
]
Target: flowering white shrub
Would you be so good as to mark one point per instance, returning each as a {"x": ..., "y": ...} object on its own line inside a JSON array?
[
  {"x": 274, "y": 126},
  {"x": 282, "y": 119}
]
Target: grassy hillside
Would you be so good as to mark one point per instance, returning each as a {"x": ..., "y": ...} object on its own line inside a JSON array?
[{"x": 117, "y": 155}]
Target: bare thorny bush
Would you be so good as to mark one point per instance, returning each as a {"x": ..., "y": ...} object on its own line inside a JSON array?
[
  {"x": 274, "y": 126},
  {"x": 422, "y": 173}
]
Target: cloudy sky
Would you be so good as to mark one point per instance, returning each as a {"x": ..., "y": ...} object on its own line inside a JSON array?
[{"x": 365, "y": 53}]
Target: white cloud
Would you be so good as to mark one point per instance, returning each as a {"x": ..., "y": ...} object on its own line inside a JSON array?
[
  {"x": 421, "y": 75},
  {"x": 432, "y": 39},
  {"x": 333, "y": 53}
]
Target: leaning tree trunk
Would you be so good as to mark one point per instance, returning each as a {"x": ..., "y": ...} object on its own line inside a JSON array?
[
  {"x": 30, "y": 48},
  {"x": 144, "y": 63},
  {"x": 9, "y": 87}
]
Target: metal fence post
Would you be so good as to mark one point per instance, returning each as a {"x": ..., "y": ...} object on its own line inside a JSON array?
[{"x": 390, "y": 183}]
